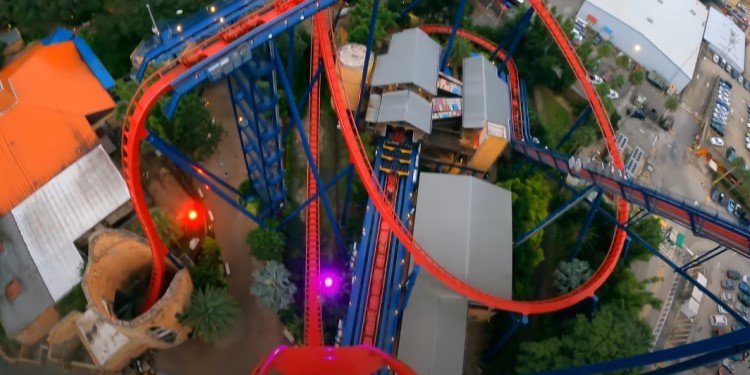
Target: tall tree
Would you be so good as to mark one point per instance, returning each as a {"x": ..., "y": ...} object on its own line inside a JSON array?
[
  {"x": 461, "y": 50},
  {"x": 531, "y": 198},
  {"x": 612, "y": 333},
  {"x": 358, "y": 22},
  {"x": 211, "y": 313},
  {"x": 266, "y": 244},
  {"x": 273, "y": 287},
  {"x": 209, "y": 267}
]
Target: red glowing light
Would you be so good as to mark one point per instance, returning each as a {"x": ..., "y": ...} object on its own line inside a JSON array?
[{"x": 192, "y": 214}]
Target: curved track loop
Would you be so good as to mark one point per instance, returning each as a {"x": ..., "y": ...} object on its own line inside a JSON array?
[
  {"x": 357, "y": 360},
  {"x": 364, "y": 170}
]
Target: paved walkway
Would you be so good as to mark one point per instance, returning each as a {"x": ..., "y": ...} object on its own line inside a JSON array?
[{"x": 258, "y": 330}]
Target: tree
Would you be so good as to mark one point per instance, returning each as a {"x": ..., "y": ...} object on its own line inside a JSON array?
[
  {"x": 266, "y": 244},
  {"x": 605, "y": 49},
  {"x": 569, "y": 275},
  {"x": 623, "y": 61},
  {"x": 461, "y": 50},
  {"x": 273, "y": 287},
  {"x": 531, "y": 197},
  {"x": 211, "y": 313},
  {"x": 439, "y": 11},
  {"x": 169, "y": 232},
  {"x": 610, "y": 334},
  {"x": 649, "y": 229},
  {"x": 672, "y": 103},
  {"x": 209, "y": 267},
  {"x": 358, "y": 23},
  {"x": 617, "y": 81},
  {"x": 637, "y": 77}
]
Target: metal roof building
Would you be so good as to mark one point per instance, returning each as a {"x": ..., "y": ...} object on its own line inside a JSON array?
[
  {"x": 49, "y": 97},
  {"x": 412, "y": 58},
  {"x": 406, "y": 107},
  {"x": 486, "y": 96},
  {"x": 465, "y": 225},
  {"x": 38, "y": 235},
  {"x": 725, "y": 38},
  {"x": 664, "y": 36}
]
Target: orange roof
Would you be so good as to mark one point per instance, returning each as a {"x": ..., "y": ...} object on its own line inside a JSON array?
[{"x": 45, "y": 97}]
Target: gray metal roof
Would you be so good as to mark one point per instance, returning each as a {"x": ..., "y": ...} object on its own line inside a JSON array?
[
  {"x": 486, "y": 96},
  {"x": 466, "y": 225},
  {"x": 406, "y": 106},
  {"x": 40, "y": 232},
  {"x": 433, "y": 330},
  {"x": 412, "y": 58},
  {"x": 725, "y": 38}
]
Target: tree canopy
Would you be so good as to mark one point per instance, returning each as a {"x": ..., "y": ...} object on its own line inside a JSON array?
[
  {"x": 273, "y": 287},
  {"x": 209, "y": 267},
  {"x": 266, "y": 244},
  {"x": 610, "y": 334},
  {"x": 358, "y": 22}
]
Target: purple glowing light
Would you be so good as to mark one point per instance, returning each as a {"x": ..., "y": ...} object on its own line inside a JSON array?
[{"x": 328, "y": 282}]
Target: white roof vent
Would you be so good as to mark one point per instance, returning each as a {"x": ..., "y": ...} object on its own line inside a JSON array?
[{"x": 650, "y": 20}]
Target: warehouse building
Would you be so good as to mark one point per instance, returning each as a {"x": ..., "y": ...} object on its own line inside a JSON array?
[
  {"x": 726, "y": 39},
  {"x": 664, "y": 36}
]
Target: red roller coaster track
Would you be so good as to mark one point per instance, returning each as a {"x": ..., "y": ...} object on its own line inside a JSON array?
[{"x": 159, "y": 84}]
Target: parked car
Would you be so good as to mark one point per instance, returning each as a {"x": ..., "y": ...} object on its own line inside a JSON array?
[
  {"x": 716, "y": 141},
  {"x": 733, "y": 274},
  {"x": 727, "y": 297},
  {"x": 744, "y": 287},
  {"x": 667, "y": 123},
  {"x": 734, "y": 73},
  {"x": 715, "y": 59},
  {"x": 727, "y": 284},
  {"x": 718, "y": 128},
  {"x": 731, "y": 153},
  {"x": 742, "y": 309},
  {"x": 595, "y": 79},
  {"x": 636, "y": 113},
  {"x": 718, "y": 320},
  {"x": 717, "y": 332},
  {"x": 613, "y": 94},
  {"x": 746, "y": 85},
  {"x": 730, "y": 205},
  {"x": 744, "y": 298},
  {"x": 728, "y": 364}
]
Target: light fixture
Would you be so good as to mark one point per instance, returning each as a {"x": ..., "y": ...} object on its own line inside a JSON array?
[
  {"x": 637, "y": 48},
  {"x": 179, "y": 28},
  {"x": 212, "y": 9}
]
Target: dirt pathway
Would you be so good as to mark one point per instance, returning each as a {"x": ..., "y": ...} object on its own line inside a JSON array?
[{"x": 258, "y": 330}]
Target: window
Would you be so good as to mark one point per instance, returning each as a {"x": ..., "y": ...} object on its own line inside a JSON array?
[{"x": 13, "y": 289}]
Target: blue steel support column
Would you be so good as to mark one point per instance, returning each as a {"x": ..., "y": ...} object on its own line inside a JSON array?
[
  {"x": 626, "y": 249},
  {"x": 347, "y": 198},
  {"x": 306, "y": 145},
  {"x": 579, "y": 121},
  {"x": 521, "y": 28},
  {"x": 452, "y": 38},
  {"x": 586, "y": 224},
  {"x": 554, "y": 215},
  {"x": 368, "y": 51},
  {"x": 594, "y": 302},
  {"x": 290, "y": 55},
  {"x": 239, "y": 128},
  {"x": 302, "y": 102},
  {"x": 517, "y": 322},
  {"x": 344, "y": 172},
  {"x": 708, "y": 255}
]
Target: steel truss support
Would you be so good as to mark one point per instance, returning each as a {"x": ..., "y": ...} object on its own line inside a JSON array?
[
  {"x": 641, "y": 214},
  {"x": 368, "y": 51},
  {"x": 293, "y": 110},
  {"x": 302, "y": 102},
  {"x": 586, "y": 224},
  {"x": 201, "y": 174},
  {"x": 347, "y": 171},
  {"x": 579, "y": 121},
  {"x": 518, "y": 31},
  {"x": 705, "y": 257},
  {"x": 452, "y": 38},
  {"x": 518, "y": 321},
  {"x": 410, "y": 281},
  {"x": 579, "y": 196}
]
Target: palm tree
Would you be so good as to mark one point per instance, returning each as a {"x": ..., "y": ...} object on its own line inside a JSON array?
[
  {"x": 273, "y": 287},
  {"x": 569, "y": 275},
  {"x": 211, "y": 313}
]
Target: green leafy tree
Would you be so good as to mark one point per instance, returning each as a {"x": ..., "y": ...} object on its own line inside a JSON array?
[
  {"x": 625, "y": 292},
  {"x": 531, "y": 198},
  {"x": 461, "y": 50},
  {"x": 650, "y": 230},
  {"x": 617, "y": 81},
  {"x": 212, "y": 313},
  {"x": 169, "y": 232},
  {"x": 623, "y": 61},
  {"x": 273, "y": 287},
  {"x": 605, "y": 49},
  {"x": 266, "y": 244},
  {"x": 569, "y": 275},
  {"x": 209, "y": 267},
  {"x": 440, "y": 11},
  {"x": 637, "y": 77},
  {"x": 672, "y": 103},
  {"x": 358, "y": 22},
  {"x": 610, "y": 334}
]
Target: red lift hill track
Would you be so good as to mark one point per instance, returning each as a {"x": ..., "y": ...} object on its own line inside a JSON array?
[{"x": 161, "y": 83}]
